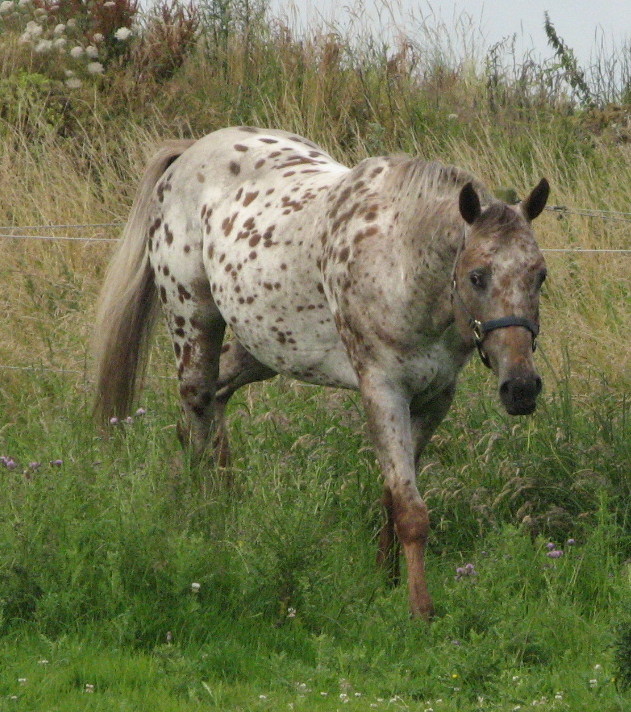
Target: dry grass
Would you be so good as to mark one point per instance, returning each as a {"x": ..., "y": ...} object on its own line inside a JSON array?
[{"x": 80, "y": 164}]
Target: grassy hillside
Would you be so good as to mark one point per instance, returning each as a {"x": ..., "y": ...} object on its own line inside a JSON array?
[{"x": 103, "y": 534}]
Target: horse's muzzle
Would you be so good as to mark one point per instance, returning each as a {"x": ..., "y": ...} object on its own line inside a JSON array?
[{"x": 519, "y": 394}]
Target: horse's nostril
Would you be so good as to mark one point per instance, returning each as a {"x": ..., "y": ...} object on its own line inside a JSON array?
[{"x": 538, "y": 385}]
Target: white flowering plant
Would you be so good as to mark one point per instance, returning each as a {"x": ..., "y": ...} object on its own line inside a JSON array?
[{"x": 71, "y": 41}]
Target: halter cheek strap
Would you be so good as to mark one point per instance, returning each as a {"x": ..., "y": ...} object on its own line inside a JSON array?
[{"x": 482, "y": 328}]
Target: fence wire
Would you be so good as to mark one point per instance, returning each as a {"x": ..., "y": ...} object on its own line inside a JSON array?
[{"x": 8, "y": 232}]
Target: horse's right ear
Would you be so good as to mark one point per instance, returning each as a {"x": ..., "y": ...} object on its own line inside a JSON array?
[{"x": 469, "y": 204}]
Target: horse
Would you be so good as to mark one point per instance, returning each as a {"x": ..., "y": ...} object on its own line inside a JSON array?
[{"x": 383, "y": 278}]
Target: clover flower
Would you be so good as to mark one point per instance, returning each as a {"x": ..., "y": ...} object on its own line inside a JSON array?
[
  {"x": 113, "y": 420},
  {"x": 466, "y": 571},
  {"x": 76, "y": 52},
  {"x": 59, "y": 42},
  {"x": 91, "y": 51},
  {"x": 98, "y": 37},
  {"x": 140, "y": 412},
  {"x": 555, "y": 554}
]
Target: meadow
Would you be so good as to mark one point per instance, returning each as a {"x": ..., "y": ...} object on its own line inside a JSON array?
[{"x": 131, "y": 579}]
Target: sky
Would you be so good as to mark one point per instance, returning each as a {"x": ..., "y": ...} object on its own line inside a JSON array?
[{"x": 584, "y": 25}]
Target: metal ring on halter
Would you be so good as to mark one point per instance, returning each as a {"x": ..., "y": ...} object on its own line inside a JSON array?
[{"x": 482, "y": 328}]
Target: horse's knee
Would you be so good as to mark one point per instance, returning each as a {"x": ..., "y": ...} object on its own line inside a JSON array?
[
  {"x": 196, "y": 399},
  {"x": 411, "y": 519}
]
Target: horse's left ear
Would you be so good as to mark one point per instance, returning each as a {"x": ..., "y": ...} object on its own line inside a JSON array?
[
  {"x": 536, "y": 201},
  {"x": 469, "y": 204}
]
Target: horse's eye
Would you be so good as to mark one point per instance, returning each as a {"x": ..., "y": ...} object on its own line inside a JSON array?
[{"x": 478, "y": 279}]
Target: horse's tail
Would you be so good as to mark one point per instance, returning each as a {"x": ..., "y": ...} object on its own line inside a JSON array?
[{"x": 128, "y": 304}]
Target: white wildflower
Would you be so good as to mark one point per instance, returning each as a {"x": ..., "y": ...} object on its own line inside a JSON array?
[
  {"x": 92, "y": 52},
  {"x": 59, "y": 29},
  {"x": 43, "y": 46},
  {"x": 109, "y": 3},
  {"x": 59, "y": 42},
  {"x": 195, "y": 587},
  {"x": 98, "y": 37},
  {"x": 89, "y": 688},
  {"x": 33, "y": 28},
  {"x": 71, "y": 22},
  {"x": 22, "y": 680},
  {"x": 97, "y": 68},
  {"x": 593, "y": 683},
  {"x": 70, "y": 73},
  {"x": 25, "y": 38},
  {"x": 24, "y": 3},
  {"x": 40, "y": 12},
  {"x": 6, "y": 6},
  {"x": 76, "y": 52},
  {"x": 122, "y": 33},
  {"x": 73, "y": 83}
]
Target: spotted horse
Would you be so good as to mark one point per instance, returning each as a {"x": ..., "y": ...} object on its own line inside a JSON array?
[{"x": 382, "y": 278}]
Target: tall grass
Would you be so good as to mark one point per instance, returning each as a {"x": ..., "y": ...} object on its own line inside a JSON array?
[{"x": 104, "y": 533}]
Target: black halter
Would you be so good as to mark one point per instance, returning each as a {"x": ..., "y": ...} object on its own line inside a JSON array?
[{"x": 482, "y": 328}]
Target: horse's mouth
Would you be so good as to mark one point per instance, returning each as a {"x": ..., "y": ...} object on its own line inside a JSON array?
[
  {"x": 519, "y": 395},
  {"x": 523, "y": 408}
]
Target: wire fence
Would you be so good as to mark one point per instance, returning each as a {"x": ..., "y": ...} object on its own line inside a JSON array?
[{"x": 25, "y": 232}]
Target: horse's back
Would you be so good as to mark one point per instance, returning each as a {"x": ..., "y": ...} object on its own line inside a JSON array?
[{"x": 248, "y": 204}]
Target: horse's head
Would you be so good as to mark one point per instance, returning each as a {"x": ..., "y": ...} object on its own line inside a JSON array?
[{"x": 497, "y": 279}]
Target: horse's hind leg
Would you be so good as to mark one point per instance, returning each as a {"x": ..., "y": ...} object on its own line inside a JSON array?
[
  {"x": 389, "y": 549},
  {"x": 237, "y": 367},
  {"x": 197, "y": 331}
]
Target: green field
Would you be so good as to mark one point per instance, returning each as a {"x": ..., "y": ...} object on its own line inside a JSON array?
[{"x": 104, "y": 533}]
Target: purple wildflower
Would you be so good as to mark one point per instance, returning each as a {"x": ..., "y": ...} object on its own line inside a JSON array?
[
  {"x": 550, "y": 546},
  {"x": 57, "y": 463},
  {"x": 571, "y": 542},
  {"x": 129, "y": 420},
  {"x": 113, "y": 420},
  {"x": 555, "y": 554},
  {"x": 140, "y": 411},
  {"x": 468, "y": 570},
  {"x": 11, "y": 464},
  {"x": 34, "y": 465}
]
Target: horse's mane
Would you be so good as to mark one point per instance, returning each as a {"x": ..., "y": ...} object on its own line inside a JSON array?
[{"x": 426, "y": 194}]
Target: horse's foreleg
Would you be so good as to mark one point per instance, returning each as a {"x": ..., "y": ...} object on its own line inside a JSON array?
[{"x": 388, "y": 412}]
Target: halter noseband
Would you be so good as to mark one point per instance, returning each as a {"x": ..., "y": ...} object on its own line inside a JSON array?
[{"x": 482, "y": 328}]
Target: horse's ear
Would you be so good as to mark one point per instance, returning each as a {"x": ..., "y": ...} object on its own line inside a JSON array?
[
  {"x": 469, "y": 204},
  {"x": 536, "y": 201}
]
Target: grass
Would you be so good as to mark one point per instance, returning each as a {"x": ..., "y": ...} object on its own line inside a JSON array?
[{"x": 100, "y": 542}]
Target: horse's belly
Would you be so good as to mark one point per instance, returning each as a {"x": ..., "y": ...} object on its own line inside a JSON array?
[{"x": 280, "y": 314}]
